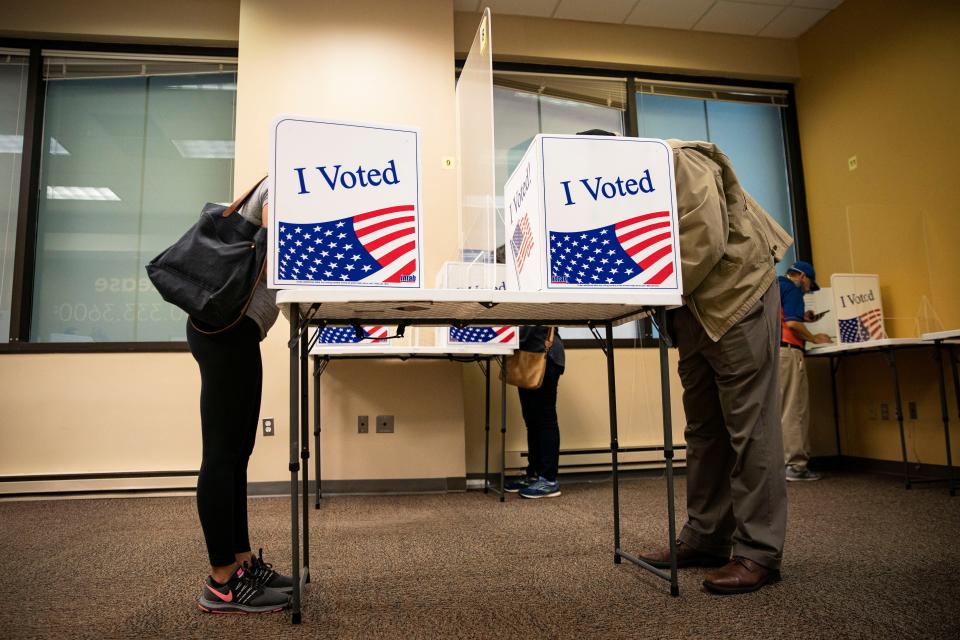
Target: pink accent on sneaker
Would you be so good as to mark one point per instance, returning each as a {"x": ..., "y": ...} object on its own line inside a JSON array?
[{"x": 228, "y": 597}]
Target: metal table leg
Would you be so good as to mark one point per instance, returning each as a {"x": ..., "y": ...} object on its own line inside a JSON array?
[
  {"x": 892, "y": 360},
  {"x": 294, "y": 464},
  {"x": 614, "y": 443},
  {"x": 668, "y": 446},
  {"x": 486, "y": 426},
  {"x": 503, "y": 424},
  {"x": 305, "y": 449},
  {"x": 945, "y": 410},
  {"x": 317, "y": 372}
]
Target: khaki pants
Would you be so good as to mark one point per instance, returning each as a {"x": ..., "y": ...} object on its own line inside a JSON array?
[
  {"x": 736, "y": 491},
  {"x": 795, "y": 409}
]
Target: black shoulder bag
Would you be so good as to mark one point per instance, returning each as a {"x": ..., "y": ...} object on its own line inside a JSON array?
[{"x": 212, "y": 271}]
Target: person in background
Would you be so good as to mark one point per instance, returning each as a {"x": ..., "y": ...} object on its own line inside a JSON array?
[
  {"x": 231, "y": 375},
  {"x": 794, "y": 395},
  {"x": 727, "y": 334},
  {"x": 539, "y": 407}
]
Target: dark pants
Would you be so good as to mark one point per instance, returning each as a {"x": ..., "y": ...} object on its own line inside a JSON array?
[
  {"x": 231, "y": 376},
  {"x": 539, "y": 408},
  {"x": 736, "y": 490}
]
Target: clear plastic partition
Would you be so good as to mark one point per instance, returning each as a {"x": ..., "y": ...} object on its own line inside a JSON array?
[
  {"x": 475, "y": 157},
  {"x": 905, "y": 249}
]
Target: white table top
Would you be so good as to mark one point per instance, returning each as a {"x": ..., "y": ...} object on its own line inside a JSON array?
[
  {"x": 942, "y": 335},
  {"x": 833, "y": 349},
  {"x": 480, "y": 307},
  {"x": 402, "y": 351}
]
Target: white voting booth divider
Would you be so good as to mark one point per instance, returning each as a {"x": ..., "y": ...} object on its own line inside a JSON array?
[
  {"x": 346, "y": 198},
  {"x": 857, "y": 307},
  {"x": 593, "y": 213}
]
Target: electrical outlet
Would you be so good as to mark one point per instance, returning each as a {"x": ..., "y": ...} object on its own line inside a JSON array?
[
  {"x": 268, "y": 429},
  {"x": 884, "y": 411},
  {"x": 384, "y": 424},
  {"x": 852, "y": 163},
  {"x": 872, "y": 413},
  {"x": 363, "y": 424},
  {"x": 912, "y": 410}
]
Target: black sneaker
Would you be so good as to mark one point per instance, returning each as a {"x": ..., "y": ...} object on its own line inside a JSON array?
[
  {"x": 264, "y": 575},
  {"x": 240, "y": 594}
]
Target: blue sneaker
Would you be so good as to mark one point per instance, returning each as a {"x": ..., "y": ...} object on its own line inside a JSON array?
[
  {"x": 520, "y": 482},
  {"x": 542, "y": 488}
]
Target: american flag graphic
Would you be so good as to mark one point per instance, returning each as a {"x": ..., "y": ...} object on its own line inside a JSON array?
[
  {"x": 377, "y": 246},
  {"x": 638, "y": 249},
  {"x": 522, "y": 242},
  {"x": 493, "y": 335},
  {"x": 372, "y": 334},
  {"x": 866, "y": 326}
]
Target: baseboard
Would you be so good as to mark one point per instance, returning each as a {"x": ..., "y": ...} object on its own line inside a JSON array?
[
  {"x": 364, "y": 487},
  {"x": 886, "y": 467}
]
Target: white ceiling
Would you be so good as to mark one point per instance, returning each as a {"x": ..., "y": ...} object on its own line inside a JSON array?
[{"x": 765, "y": 18}]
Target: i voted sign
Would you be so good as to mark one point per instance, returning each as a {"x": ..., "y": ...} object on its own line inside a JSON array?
[
  {"x": 463, "y": 275},
  {"x": 857, "y": 304},
  {"x": 344, "y": 204},
  {"x": 593, "y": 212}
]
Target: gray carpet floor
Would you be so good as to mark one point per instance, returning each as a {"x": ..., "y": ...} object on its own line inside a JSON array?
[{"x": 864, "y": 559}]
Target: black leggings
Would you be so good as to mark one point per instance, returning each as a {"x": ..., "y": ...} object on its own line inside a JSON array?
[
  {"x": 231, "y": 376},
  {"x": 539, "y": 407}
]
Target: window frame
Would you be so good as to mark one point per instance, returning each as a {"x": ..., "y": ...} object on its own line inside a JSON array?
[
  {"x": 791, "y": 138},
  {"x": 24, "y": 265}
]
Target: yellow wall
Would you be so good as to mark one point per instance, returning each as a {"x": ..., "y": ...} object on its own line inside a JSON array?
[{"x": 878, "y": 82}]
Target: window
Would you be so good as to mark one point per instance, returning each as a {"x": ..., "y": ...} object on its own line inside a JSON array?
[
  {"x": 133, "y": 147},
  {"x": 747, "y": 122},
  {"x": 13, "y": 100}
]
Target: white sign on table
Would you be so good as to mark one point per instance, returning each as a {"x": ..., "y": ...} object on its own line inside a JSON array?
[
  {"x": 858, "y": 308},
  {"x": 344, "y": 204},
  {"x": 368, "y": 334},
  {"x": 595, "y": 213}
]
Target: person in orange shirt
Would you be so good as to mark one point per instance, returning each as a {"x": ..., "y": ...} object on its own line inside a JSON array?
[{"x": 794, "y": 395}]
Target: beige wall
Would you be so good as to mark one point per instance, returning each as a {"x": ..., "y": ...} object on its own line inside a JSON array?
[
  {"x": 361, "y": 60},
  {"x": 878, "y": 81}
]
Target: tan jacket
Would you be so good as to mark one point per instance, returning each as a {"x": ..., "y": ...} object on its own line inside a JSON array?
[{"x": 728, "y": 243}]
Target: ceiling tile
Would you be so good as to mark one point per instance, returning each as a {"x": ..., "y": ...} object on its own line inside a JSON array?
[
  {"x": 669, "y": 14},
  {"x": 817, "y": 4},
  {"x": 793, "y": 22},
  {"x": 738, "y": 17},
  {"x": 595, "y": 10},
  {"x": 539, "y": 8},
  {"x": 470, "y": 6}
]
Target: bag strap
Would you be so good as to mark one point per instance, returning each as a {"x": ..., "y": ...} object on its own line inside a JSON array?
[
  {"x": 549, "y": 341},
  {"x": 243, "y": 312},
  {"x": 239, "y": 202}
]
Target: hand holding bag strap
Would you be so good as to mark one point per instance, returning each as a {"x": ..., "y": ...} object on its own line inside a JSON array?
[{"x": 236, "y": 204}]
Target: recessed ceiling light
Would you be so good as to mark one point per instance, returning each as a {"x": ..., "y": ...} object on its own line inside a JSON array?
[
  {"x": 81, "y": 193},
  {"x": 205, "y": 148}
]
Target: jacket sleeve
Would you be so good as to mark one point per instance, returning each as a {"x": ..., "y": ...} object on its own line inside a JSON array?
[{"x": 702, "y": 213}]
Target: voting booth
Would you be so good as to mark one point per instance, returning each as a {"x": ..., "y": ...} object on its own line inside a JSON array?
[
  {"x": 347, "y": 203},
  {"x": 593, "y": 213},
  {"x": 474, "y": 275},
  {"x": 857, "y": 307},
  {"x": 359, "y": 335}
]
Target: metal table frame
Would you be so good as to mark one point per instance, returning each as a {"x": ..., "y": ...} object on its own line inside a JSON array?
[
  {"x": 461, "y": 308},
  {"x": 888, "y": 348},
  {"x": 940, "y": 340},
  {"x": 482, "y": 357}
]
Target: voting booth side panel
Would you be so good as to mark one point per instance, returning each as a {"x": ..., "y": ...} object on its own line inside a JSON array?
[
  {"x": 858, "y": 307},
  {"x": 522, "y": 216},
  {"x": 606, "y": 214},
  {"x": 344, "y": 203},
  {"x": 359, "y": 336}
]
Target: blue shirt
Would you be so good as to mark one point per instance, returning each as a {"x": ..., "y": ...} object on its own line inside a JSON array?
[{"x": 791, "y": 299}]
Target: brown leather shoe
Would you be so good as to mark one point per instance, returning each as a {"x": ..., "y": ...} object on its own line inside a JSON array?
[
  {"x": 687, "y": 556},
  {"x": 740, "y": 575}
]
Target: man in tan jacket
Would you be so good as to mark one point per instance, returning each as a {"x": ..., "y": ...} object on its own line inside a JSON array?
[{"x": 728, "y": 336}]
